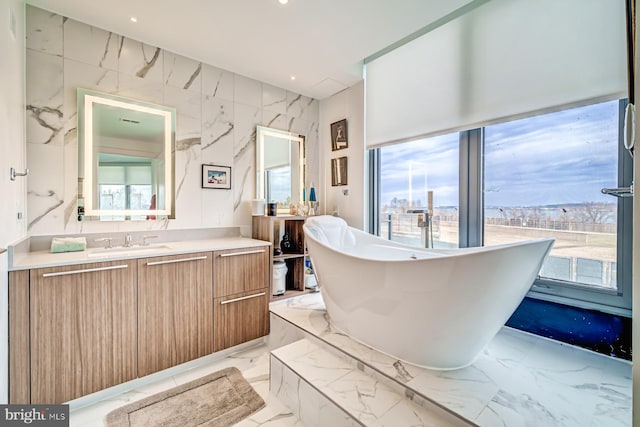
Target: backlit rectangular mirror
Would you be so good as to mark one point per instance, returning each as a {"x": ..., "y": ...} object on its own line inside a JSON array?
[
  {"x": 280, "y": 167},
  {"x": 125, "y": 158}
]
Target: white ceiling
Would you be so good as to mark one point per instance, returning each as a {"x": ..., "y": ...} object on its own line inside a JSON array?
[{"x": 320, "y": 42}]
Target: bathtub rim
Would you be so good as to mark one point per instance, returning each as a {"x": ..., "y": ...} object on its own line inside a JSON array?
[{"x": 437, "y": 252}]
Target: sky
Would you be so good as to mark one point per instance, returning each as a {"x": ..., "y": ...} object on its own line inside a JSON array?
[{"x": 556, "y": 158}]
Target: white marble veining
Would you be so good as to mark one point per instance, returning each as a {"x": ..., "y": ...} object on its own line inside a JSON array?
[
  {"x": 519, "y": 379},
  {"x": 91, "y": 45},
  {"x": 44, "y": 119},
  {"x": 181, "y": 72},
  {"x": 247, "y": 91},
  {"x": 217, "y": 83},
  {"x": 274, "y": 99},
  {"x": 217, "y": 114},
  {"x": 44, "y": 31},
  {"x": 304, "y": 376},
  {"x": 253, "y": 363},
  {"x": 140, "y": 60}
]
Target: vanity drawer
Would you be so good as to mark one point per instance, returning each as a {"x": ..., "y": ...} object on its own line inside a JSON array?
[{"x": 240, "y": 270}]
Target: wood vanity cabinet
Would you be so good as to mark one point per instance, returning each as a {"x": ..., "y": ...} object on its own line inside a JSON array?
[
  {"x": 241, "y": 295},
  {"x": 77, "y": 329},
  {"x": 175, "y": 310},
  {"x": 82, "y": 329}
]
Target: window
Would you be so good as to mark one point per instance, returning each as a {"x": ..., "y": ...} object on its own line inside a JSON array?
[
  {"x": 408, "y": 172},
  {"x": 542, "y": 178},
  {"x": 539, "y": 176}
]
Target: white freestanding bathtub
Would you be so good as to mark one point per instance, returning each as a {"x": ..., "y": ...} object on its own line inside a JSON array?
[{"x": 435, "y": 308}]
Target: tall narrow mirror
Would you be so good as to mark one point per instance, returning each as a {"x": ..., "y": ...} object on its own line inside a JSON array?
[
  {"x": 280, "y": 167},
  {"x": 125, "y": 158}
]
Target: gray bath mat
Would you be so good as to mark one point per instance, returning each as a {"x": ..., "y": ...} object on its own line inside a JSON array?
[{"x": 217, "y": 400}]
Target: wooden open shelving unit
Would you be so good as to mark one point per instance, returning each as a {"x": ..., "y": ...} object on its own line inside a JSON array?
[{"x": 271, "y": 229}]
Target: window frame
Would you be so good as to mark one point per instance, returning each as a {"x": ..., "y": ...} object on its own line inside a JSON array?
[{"x": 471, "y": 222}]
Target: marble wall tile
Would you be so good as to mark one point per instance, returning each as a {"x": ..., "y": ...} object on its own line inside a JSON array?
[
  {"x": 90, "y": 45},
  {"x": 80, "y": 75},
  {"x": 295, "y": 105},
  {"x": 216, "y": 120},
  {"x": 217, "y": 83},
  {"x": 276, "y": 120},
  {"x": 45, "y": 195},
  {"x": 70, "y": 182},
  {"x": 45, "y": 116},
  {"x": 141, "y": 89},
  {"x": 217, "y": 131},
  {"x": 312, "y": 157},
  {"x": 274, "y": 99},
  {"x": 44, "y": 31},
  {"x": 140, "y": 60},
  {"x": 247, "y": 91},
  {"x": 187, "y": 156},
  {"x": 246, "y": 119},
  {"x": 217, "y": 148},
  {"x": 181, "y": 72}
]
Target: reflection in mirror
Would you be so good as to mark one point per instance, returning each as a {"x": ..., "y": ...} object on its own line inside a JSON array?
[
  {"x": 125, "y": 158},
  {"x": 279, "y": 167}
]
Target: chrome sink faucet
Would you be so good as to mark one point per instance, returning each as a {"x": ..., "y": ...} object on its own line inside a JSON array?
[{"x": 128, "y": 240}]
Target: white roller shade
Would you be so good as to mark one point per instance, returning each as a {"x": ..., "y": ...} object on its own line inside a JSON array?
[{"x": 504, "y": 59}]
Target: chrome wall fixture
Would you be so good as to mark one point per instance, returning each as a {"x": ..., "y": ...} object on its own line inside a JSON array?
[{"x": 13, "y": 174}]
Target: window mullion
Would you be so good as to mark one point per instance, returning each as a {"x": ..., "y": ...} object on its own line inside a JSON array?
[{"x": 471, "y": 188}]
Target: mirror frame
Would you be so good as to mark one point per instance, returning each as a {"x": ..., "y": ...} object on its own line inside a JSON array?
[
  {"x": 87, "y": 170},
  {"x": 261, "y": 133}
]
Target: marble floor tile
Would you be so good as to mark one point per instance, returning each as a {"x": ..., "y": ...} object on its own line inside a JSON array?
[
  {"x": 252, "y": 362},
  {"x": 518, "y": 379}
]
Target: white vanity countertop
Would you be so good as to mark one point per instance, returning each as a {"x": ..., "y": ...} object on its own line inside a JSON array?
[{"x": 44, "y": 258}]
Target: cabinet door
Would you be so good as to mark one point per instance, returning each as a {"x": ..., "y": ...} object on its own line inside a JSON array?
[
  {"x": 82, "y": 328},
  {"x": 240, "y": 270},
  {"x": 175, "y": 310},
  {"x": 241, "y": 318}
]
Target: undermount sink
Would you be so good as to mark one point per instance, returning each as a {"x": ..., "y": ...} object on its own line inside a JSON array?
[{"x": 126, "y": 250}]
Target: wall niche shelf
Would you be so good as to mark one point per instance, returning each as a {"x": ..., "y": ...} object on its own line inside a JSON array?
[{"x": 271, "y": 229}]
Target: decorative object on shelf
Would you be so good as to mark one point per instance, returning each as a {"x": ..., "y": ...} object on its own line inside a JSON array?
[
  {"x": 310, "y": 281},
  {"x": 313, "y": 202},
  {"x": 339, "y": 171},
  {"x": 277, "y": 251},
  {"x": 214, "y": 176},
  {"x": 339, "y": 135},
  {"x": 285, "y": 244},
  {"x": 272, "y": 209}
]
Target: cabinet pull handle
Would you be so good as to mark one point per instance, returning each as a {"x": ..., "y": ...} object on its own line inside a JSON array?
[
  {"x": 84, "y": 270},
  {"x": 261, "y": 251},
  {"x": 243, "y": 298},
  {"x": 173, "y": 261}
]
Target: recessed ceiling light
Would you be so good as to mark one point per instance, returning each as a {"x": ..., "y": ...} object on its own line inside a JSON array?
[
  {"x": 283, "y": 1},
  {"x": 293, "y": 77},
  {"x": 134, "y": 19}
]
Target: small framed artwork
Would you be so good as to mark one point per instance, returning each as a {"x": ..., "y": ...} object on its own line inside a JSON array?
[
  {"x": 339, "y": 171},
  {"x": 214, "y": 176},
  {"x": 339, "y": 135}
]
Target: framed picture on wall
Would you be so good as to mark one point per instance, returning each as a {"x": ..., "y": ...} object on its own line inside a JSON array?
[
  {"x": 339, "y": 171},
  {"x": 214, "y": 176},
  {"x": 339, "y": 135}
]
